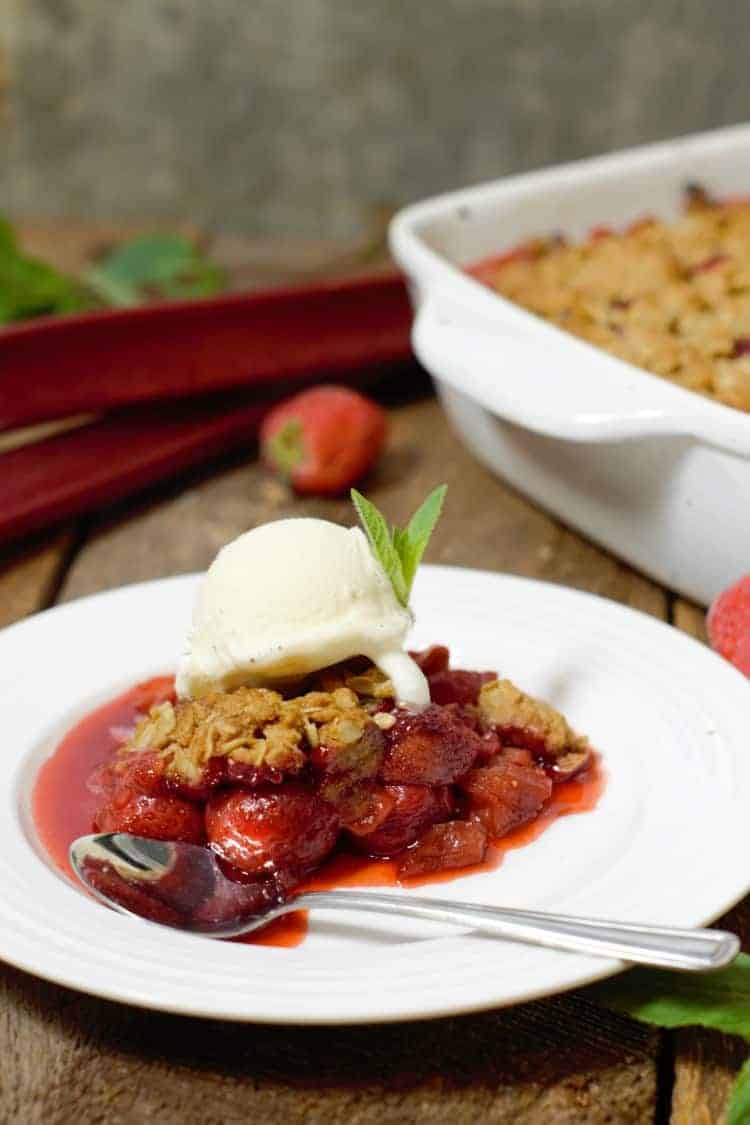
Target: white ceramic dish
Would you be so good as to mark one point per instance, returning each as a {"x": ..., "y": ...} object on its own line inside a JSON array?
[
  {"x": 667, "y": 843},
  {"x": 657, "y": 474}
]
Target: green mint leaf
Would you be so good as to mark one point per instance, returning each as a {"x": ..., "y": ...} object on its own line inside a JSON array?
[
  {"x": 720, "y": 1000},
  {"x": 412, "y": 543},
  {"x": 738, "y": 1110},
  {"x": 159, "y": 265},
  {"x": 381, "y": 541},
  {"x": 400, "y": 550}
]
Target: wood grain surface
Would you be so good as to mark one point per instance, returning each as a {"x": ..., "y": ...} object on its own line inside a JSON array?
[{"x": 71, "y": 1058}]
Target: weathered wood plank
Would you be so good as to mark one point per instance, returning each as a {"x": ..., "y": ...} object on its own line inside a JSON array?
[
  {"x": 485, "y": 523},
  {"x": 29, "y": 574}
]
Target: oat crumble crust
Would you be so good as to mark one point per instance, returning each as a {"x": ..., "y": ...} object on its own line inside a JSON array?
[
  {"x": 509, "y": 710},
  {"x": 258, "y": 727},
  {"x": 263, "y": 729},
  {"x": 671, "y": 298}
]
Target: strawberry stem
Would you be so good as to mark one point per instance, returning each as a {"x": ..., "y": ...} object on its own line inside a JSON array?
[{"x": 286, "y": 449}]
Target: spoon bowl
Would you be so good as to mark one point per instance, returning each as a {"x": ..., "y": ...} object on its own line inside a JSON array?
[{"x": 183, "y": 886}]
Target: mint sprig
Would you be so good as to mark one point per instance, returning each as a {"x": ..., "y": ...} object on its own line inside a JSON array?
[{"x": 399, "y": 550}]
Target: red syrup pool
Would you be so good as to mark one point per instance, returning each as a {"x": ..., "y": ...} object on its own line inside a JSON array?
[{"x": 63, "y": 808}]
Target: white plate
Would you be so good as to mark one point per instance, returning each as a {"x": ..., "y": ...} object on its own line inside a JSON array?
[{"x": 668, "y": 842}]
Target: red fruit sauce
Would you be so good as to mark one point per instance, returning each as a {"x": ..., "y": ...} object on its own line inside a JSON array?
[{"x": 63, "y": 808}]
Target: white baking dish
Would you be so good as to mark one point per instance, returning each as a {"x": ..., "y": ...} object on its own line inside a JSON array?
[{"x": 658, "y": 474}]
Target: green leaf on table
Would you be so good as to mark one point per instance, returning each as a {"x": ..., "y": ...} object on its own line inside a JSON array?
[
  {"x": 738, "y": 1110},
  {"x": 720, "y": 1000},
  {"x": 399, "y": 550},
  {"x": 165, "y": 266},
  {"x": 29, "y": 287}
]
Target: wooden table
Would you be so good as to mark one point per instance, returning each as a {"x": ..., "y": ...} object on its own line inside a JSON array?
[{"x": 70, "y": 1058}]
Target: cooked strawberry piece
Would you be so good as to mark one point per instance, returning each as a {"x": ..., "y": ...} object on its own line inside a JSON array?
[
  {"x": 272, "y": 828},
  {"x": 158, "y": 817},
  {"x": 433, "y": 660},
  {"x": 141, "y": 772},
  {"x": 506, "y": 793},
  {"x": 415, "y": 807},
  {"x": 242, "y": 773},
  {"x": 199, "y": 788},
  {"x": 456, "y": 843},
  {"x": 429, "y": 747}
]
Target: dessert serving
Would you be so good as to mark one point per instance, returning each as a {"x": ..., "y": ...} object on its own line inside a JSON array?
[
  {"x": 671, "y": 298},
  {"x": 303, "y": 743}
]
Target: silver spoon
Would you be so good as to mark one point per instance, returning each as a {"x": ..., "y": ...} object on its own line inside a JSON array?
[{"x": 183, "y": 886}]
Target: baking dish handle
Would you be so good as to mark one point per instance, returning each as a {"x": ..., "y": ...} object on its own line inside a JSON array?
[{"x": 564, "y": 388}]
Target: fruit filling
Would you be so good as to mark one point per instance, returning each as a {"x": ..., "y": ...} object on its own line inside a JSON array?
[{"x": 277, "y": 785}]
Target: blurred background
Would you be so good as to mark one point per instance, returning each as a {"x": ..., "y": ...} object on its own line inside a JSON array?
[{"x": 313, "y": 119}]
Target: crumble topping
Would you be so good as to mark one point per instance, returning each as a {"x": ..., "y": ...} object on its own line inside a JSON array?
[
  {"x": 673, "y": 299},
  {"x": 251, "y": 726},
  {"x": 521, "y": 718}
]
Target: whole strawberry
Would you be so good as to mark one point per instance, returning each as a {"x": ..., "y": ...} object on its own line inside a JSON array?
[
  {"x": 729, "y": 624},
  {"x": 323, "y": 440}
]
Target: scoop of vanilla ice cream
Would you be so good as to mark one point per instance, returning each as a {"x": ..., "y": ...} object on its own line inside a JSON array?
[{"x": 289, "y": 598}]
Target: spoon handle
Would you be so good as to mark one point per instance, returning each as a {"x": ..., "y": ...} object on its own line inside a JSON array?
[{"x": 668, "y": 948}]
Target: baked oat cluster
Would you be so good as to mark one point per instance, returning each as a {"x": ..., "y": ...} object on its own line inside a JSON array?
[
  {"x": 671, "y": 298},
  {"x": 273, "y": 782}
]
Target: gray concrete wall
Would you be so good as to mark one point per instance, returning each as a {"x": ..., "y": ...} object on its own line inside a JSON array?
[{"x": 303, "y": 116}]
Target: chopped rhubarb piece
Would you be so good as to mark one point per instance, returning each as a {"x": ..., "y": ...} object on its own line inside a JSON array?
[
  {"x": 429, "y": 747},
  {"x": 358, "y": 759},
  {"x": 367, "y": 810},
  {"x": 506, "y": 794},
  {"x": 415, "y": 807},
  {"x": 159, "y": 818},
  {"x": 741, "y": 347},
  {"x": 432, "y": 660},
  {"x": 456, "y": 843},
  {"x": 458, "y": 686},
  {"x": 273, "y": 828}
]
